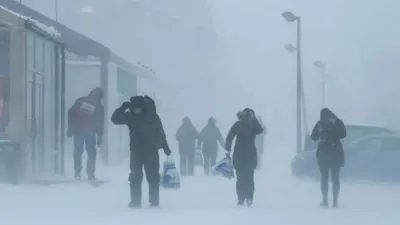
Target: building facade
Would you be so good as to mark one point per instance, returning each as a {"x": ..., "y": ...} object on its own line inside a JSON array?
[{"x": 32, "y": 93}]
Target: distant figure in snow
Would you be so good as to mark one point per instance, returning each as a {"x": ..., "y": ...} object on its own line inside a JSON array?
[
  {"x": 208, "y": 140},
  {"x": 186, "y": 137}
]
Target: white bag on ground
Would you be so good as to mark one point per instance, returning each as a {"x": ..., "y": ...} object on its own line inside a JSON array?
[
  {"x": 170, "y": 177},
  {"x": 225, "y": 168}
]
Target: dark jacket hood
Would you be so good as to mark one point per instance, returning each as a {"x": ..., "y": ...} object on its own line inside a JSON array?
[
  {"x": 186, "y": 121},
  {"x": 150, "y": 105},
  {"x": 211, "y": 121},
  {"x": 137, "y": 102},
  {"x": 96, "y": 93},
  {"x": 326, "y": 113}
]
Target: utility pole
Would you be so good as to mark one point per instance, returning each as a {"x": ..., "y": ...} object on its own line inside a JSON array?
[
  {"x": 299, "y": 84},
  {"x": 290, "y": 17},
  {"x": 56, "y": 9}
]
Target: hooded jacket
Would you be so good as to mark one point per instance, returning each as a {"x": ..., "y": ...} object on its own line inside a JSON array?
[
  {"x": 146, "y": 129},
  {"x": 329, "y": 130},
  {"x": 187, "y": 135},
  {"x": 87, "y": 114},
  {"x": 209, "y": 137},
  {"x": 245, "y": 130}
]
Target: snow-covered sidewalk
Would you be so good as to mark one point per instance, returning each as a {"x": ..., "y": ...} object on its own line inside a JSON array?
[{"x": 201, "y": 200}]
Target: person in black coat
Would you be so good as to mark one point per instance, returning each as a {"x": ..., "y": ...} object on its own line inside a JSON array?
[
  {"x": 146, "y": 138},
  {"x": 186, "y": 137},
  {"x": 245, "y": 153},
  {"x": 329, "y": 130},
  {"x": 208, "y": 140}
]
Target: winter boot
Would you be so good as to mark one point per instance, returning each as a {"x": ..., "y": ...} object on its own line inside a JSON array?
[
  {"x": 134, "y": 205},
  {"x": 240, "y": 202},
  {"x": 91, "y": 177},
  {"x": 324, "y": 202},
  {"x": 136, "y": 196},
  {"x": 154, "y": 206},
  {"x": 335, "y": 202},
  {"x": 77, "y": 176},
  {"x": 249, "y": 202}
]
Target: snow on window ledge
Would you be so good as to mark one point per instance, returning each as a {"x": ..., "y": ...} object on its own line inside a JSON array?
[{"x": 51, "y": 31}]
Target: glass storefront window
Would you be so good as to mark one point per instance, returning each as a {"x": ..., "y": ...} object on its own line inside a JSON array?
[
  {"x": 30, "y": 50},
  {"x": 39, "y": 54},
  {"x": 127, "y": 83},
  {"x": 48, "y": 61},
  {"x": 5, "y": 36}
]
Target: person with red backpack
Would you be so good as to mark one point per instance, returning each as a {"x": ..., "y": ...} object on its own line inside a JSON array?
[{"x": 86, "y": 126}]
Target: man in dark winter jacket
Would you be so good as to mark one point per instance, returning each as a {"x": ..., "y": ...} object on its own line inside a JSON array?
[
  {"x": 207, "y": 141},
  {"x": 146, "y": 138},
  {"x": 186, "y": 137},
  {"x": 86, "y": 126},
  {"x": 245, "y": 153},
  {"x": 260, "y": 144},
  {"x": 329, "y": 130}
]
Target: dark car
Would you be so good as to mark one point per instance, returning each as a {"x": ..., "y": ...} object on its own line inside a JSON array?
[{"x": 373, "y": 157}]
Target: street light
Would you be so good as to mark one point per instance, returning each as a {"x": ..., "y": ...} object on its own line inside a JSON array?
[
  {"x": 290, "y": 17},
  {"x": 290, "y": 48},
  {"x": 322, "y": 66}
]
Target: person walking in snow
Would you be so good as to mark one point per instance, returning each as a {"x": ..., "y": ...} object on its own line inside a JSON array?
[
  {"x": 329, "y": 131},
  {"x": 186, "y": 136},
  {"x": 245, "y": 153},
  {"x": 86, "y": 126},
  {"x": 146, "y": 138},
  {"x": 208, "y": 140}
]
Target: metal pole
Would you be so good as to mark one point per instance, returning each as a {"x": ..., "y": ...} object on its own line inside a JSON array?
[
  {"x": 62, "y": 109},
  {"x": 299, "y": 83},
  {"x": 56, "y": 9}
]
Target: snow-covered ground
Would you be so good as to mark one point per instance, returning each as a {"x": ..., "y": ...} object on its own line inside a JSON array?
[{"x": 280, "y": 199}]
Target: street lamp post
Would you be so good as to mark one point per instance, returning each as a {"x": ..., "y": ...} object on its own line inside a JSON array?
[
  {"x": 56, "y": 9},
  {"x": 322, "y": 66},
  {"x": 290, "y": 17}
]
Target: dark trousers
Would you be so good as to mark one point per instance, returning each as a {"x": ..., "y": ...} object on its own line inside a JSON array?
[
  {"x": 87, "y": 139},
  {"x": 210, "y": 159},
  {"x": 186, "y": 162},
  {"x": 245, "y": 183},
  {"x": 149, "y": 160},
  {"x": 335, "y": 175}
]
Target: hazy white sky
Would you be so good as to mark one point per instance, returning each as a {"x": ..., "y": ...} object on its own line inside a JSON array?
[{"x": 358, "y": 40}]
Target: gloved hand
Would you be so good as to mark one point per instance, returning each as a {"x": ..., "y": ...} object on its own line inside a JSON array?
[
  {"x": 167, "y": 151},
  {"x": 126, "y": 105},
  {"x": 99, "y": 141}
]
